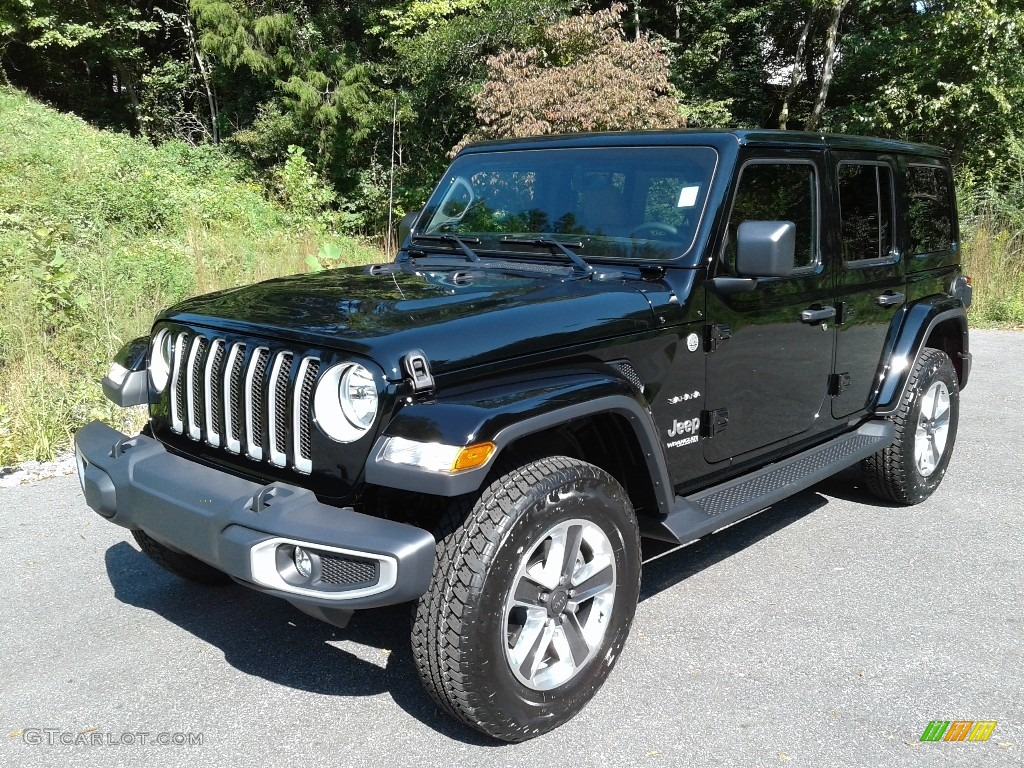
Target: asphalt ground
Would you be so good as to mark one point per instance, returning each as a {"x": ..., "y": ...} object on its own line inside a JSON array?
[{"x": 827, "y": 631}]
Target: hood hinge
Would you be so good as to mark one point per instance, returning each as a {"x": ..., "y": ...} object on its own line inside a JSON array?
[{"x": 418, "y": 370}]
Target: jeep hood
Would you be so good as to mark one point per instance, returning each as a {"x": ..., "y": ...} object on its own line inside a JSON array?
[{"x": 459, "y": 317}]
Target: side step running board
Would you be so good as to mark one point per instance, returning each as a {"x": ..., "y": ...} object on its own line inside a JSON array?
[{"x": 713, "y": 508}]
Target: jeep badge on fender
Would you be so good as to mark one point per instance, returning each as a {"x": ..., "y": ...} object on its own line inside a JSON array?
[{"x": 583, "y": 340}]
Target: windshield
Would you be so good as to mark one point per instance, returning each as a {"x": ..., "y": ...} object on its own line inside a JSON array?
[{"x": 609, "y": 202}]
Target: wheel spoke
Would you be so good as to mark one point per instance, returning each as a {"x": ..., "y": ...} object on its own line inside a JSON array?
[
  {"x": 535, "y": 656},
  {"x": 574, "y": 536},
  {"x": 573, "y": 634},
  {"x": 528, "y": 592},
  {"x": 593, "y": 586}
]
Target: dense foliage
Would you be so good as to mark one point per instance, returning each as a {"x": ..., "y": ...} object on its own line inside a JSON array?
[
  {"x": 271, "y": 127},
  {"x": 377, "y": 94},
  {"x": 98, "y": 231}
]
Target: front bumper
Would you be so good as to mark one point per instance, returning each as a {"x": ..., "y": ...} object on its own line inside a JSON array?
[{"x": 247, "y": 530}]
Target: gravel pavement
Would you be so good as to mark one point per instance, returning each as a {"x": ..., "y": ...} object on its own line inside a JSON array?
[{"x": 826, "y": 632}]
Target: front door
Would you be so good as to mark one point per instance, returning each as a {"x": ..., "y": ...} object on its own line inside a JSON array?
[{"x": 770, "y": 350}]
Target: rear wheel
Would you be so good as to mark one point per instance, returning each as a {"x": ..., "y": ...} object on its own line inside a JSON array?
[
  {"x": 178, "y": 563},
  {"x": 533, "y": 595},
  {"x": 910, "y": 469}
]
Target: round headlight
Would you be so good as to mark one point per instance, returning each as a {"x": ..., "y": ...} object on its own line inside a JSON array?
[
  {"x": 160, "y": 352},
  {"x": 345, "y": 402},
  {"x": 358, "y": 396}
]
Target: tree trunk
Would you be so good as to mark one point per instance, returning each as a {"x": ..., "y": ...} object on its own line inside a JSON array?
[
  {"x": 798, "y": 62},
  {"x": 211, "y": 97},
  {"x": 125, "y": 80},
  {"x": 636, "y": 20},
  {"x": 826, "y": 72}
]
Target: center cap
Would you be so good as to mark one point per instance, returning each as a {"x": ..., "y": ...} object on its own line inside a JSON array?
[{"x": 557, "y": 602}]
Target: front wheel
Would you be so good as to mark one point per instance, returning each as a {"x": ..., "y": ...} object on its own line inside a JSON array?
[
  {"x": 533, "y": 594},
  {"x": 910, "y": 469}
]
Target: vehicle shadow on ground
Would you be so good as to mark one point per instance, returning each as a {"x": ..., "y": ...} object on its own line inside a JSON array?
[
  {"x": 666, "y": 565},
  {"x": 265, "y": 637}
]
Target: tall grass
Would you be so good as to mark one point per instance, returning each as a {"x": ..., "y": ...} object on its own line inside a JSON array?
[
  {"x": 992, "y": 222},
  {"x": 98, "y": 232}
]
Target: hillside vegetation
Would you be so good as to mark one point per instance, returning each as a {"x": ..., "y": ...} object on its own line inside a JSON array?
[{"x": 98, "y": 231}]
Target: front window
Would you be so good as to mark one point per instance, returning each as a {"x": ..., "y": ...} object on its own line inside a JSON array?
[
  {"x": 778, "y": 191},
  {"x": 609, "y": 202}
]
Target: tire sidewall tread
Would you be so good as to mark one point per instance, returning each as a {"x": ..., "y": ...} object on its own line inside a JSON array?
[{"x": 458, "y": 626}]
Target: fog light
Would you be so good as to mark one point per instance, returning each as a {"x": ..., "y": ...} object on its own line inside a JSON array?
[{"x": 303, "y": 562}]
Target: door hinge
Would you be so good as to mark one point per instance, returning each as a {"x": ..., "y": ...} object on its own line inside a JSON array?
[
  {"x": 838, "y": 383},
  {"x": 713, "y": 422},
  {"x": 714, "y": 335},
  {"x": 844, "y": 312},
  {"x": 418, "y": 370}
]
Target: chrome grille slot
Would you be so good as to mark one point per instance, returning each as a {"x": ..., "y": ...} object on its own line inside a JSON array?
[
  {"x": 193, "y": 384},
  {"x": 277, "y": 407},
  {"x": 233, "y": 398},
  {"x": 250, "y": 400},
  {"x": 302, "y": 408},
  {"x": 213, "y": 389},
  {"x": 254, "y": 386},
  {"x": 177, "y": 391}
]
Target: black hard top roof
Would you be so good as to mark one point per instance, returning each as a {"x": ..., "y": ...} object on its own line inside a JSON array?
[{"x": 741, "y": 137}]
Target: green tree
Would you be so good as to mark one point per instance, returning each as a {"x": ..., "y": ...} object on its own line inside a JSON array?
[
  {"x": 88, "y": 56},
  {"x": 582, "y": 75},
  {"x": 947, "y": 73}
]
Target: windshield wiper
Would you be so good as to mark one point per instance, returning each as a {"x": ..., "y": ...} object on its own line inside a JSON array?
[
  {"x": 555, "y": 246},
  {"x": 455, "y": 240}
]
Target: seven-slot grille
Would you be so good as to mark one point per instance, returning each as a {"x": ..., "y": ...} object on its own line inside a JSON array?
[{"x": 240, "y": 397}]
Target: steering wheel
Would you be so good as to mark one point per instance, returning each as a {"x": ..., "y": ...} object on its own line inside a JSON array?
[{"x": 654, "y": 228}]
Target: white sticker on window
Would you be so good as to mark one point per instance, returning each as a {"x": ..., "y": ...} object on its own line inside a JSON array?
[{"x": 688, "y": 197}]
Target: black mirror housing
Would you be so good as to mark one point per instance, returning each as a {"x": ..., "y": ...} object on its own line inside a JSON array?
[
  {"x": 765, "y": 248},
  {"x": 405, "y": 227}
]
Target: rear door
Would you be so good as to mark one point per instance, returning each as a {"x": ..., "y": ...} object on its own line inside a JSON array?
[{"x": 869, "y": 285}]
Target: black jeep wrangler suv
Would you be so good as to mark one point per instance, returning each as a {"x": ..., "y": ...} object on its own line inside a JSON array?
[{"x": 584, "y": 340}]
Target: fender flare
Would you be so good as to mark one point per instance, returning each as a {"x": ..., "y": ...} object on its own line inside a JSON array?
[
  {"x": 504, "y": 413},
  {"x": 917, "y": 326}
]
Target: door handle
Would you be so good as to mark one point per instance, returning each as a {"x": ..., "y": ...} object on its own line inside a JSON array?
[
  {"x": 817, "y": 315},
  {"x": 890, "y": 299}
]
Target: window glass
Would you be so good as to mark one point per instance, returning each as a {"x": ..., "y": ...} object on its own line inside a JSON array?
[
  {"x": 865, "y": 207},
  {"x": 778, "y": 192},
  {"x": 617, "y": 202},
  {"x": 930, "y": 210}
]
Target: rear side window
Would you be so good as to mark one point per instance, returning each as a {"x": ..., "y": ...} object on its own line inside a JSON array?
[
  {"x": 866, "y": 209},
  {"x": 778, "y": 192},
  {"x": 930, "y": 212}
]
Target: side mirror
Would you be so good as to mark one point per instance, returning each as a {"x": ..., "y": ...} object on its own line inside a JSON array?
[
  {"x": 405, "y": 226},
  {"x": 765, "y": 248}
]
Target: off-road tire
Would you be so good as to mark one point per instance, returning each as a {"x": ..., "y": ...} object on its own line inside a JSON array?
[
  {"x": 462, "y": 631},
  {"x": 893, "y": 472},
  {"x": 178, "y": 563}
]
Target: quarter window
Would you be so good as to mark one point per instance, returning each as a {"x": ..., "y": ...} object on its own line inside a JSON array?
[
  {"x": 930, "y": 211},
  {"x": 866, "y": 210}
]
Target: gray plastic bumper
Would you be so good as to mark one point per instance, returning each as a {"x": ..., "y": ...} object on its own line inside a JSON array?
[{"x": 246, "y": 529}]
